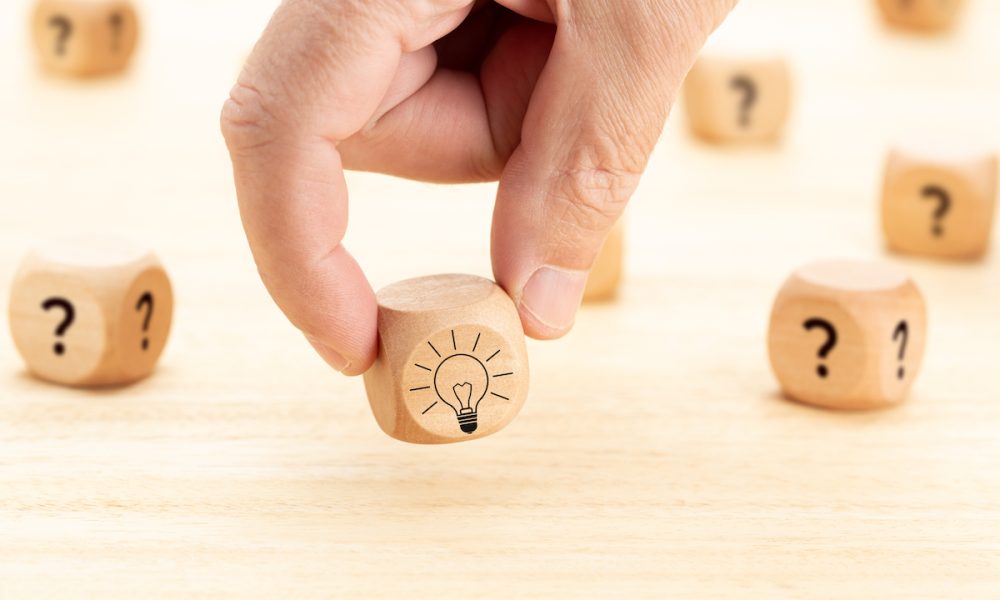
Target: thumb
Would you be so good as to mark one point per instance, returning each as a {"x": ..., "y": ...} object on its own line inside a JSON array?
[{"x": 592, "y": 122}]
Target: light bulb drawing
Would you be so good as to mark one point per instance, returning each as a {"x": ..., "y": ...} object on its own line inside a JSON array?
[{"x": 461, "y": 379}]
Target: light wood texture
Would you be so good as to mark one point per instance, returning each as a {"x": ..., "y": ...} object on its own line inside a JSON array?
[
  {"x": 85, "y": 37},
  {"x": 921, "y": 15},
  {"x": 848, "y": 334},
  {"x": 91, "y": 311},
  {"x": 939, "y": 205},
  {"x": 606, "y": 272},
  {"x": 735, "y": 98},
  {"x": 654, "y": 456},
  {"x": 452, "y": 363}
]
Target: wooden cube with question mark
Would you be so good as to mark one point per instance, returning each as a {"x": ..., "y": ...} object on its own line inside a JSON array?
[
  {"x": 91, "y": 312},
  {"x": 939, "y": 204},
  {"x": 85, "y": 37},
  {"x": 452, "y": 362},
  {"x": 924, "y": 15},
  {"x": 847, "y": 334},
  {"x": 738, "y": 99}
]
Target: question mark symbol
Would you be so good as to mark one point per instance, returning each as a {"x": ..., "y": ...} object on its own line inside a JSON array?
[
  {"x": 147, "y": 301},
  {"x": 902, "y": 330},
  {"x": 65, "y": 28},
  {"x": 116, "y": 27},
  {"x": 944, "y": 205},
  {"x": 831, "y": 341},
  {"x": 749, "y": 90},
  {"x": 70, "y": 314}
]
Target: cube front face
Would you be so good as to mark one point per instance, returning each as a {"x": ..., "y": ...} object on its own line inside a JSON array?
[
  {"x": 921, "y": 14},
  {"x": 938, "y": 209},
  {"x": 85, "y": 37},
  {"x": 738, "y": 100},
  {"x": 463, "y": 382},
  {"x": 847, "y": 348},
  {"x": 87, "y": 324},
  {"x": 58, "y": 326}
]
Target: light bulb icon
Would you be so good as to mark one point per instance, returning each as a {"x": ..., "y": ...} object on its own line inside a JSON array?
[
  {"x": 461, "y": 382},
  {"x": 461, "y": 376}
]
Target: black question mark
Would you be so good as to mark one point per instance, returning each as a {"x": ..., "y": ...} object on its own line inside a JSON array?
[
  {"x": 147, "y": 301},
  {"x": 902, "y": 329},
  {"x": 831, "y": 341},
  {"x": 116, "y": 26},
  {"x": 67, "y": 308},
  {"x": 749, "y": 89},
  {"x": 944, "y": 205},
  {"x": 65, "y": 28}
]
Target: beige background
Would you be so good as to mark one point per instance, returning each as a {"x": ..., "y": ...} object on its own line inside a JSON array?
[{"x": 654, "y": 454}]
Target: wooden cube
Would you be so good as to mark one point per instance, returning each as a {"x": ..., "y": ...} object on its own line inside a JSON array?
[
  {"x": 847, "y": 334},
  {"x": 606, "y": 273},
  {"x": 91, "y": 312},
  {"x": 939, "y": 206},
  {"x": 736, "y": 99},
  {"x": 85, "y": 37},
  {"x": 926, "y": 15},
  {"x": 452, "y": 362}
]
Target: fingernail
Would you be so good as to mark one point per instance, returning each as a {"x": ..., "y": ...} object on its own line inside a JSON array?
[
  {"x": 331, "y": 356},
  {"x": 553, "y": 295}
]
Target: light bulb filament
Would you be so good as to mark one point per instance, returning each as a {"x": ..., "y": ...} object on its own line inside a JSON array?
[{"x": 463, "y": 393}]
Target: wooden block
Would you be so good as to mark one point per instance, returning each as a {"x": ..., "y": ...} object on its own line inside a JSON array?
[
  {"x": 85, "y": 37},
  {"x": 926, "y": 15},
  {"x": 732, "y": 99},
  {"x": 91, "y": 312},
  {"x": 847, "y": 334},
  {"x": 939, "y": 206},
  {"x": 606, "y": 274},
  {"x": 452, "y": 362}
]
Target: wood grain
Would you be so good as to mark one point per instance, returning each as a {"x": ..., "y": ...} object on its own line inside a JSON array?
[{"x": 653, "y": 457}]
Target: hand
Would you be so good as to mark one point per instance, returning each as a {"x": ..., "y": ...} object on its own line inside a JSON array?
[{"x": 561, "y": 100}]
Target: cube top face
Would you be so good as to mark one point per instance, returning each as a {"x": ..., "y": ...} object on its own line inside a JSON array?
[
  {"x": 939, "y": 207},
  {"x": 435, "y": 293},
  {"x": 921, "y": 14},
  {"x": 847, "y": 334},
  {"x": 90, "y": 312},
  {"x": 85, "y": 37},
  {"x": 738, "y": 99},
  {"x": 839, "y": 275},
  {"x": 92, "y": 252},
  {"x": 452, "y": 363}
]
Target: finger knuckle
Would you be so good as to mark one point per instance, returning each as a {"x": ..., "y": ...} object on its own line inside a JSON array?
[
  {"x": 595, "y": 190},
  {"x": 248, "y": 119}
]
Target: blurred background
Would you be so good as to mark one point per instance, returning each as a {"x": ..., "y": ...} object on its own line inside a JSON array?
[{"x": 654, "y": 452}]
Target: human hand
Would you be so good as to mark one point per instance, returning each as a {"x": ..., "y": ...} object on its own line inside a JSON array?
[{"x": 561, "y": 100}]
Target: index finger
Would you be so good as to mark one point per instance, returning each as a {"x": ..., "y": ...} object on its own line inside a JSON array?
[{"x": 316, "y": 77}]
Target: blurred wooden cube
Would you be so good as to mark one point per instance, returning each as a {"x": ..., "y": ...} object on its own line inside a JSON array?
[
  {"x": 921, "y": 15},
  {"x": 735, "y": 99},
  {"x": 939, "y": 205},
  {"x": 85, "y": 37},
  {"x": 606, "y": 273},
  {"x": 91, "y": 312}
]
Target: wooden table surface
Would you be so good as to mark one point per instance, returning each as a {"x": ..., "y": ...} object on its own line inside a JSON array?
[{"x": 655, "y": 454}]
